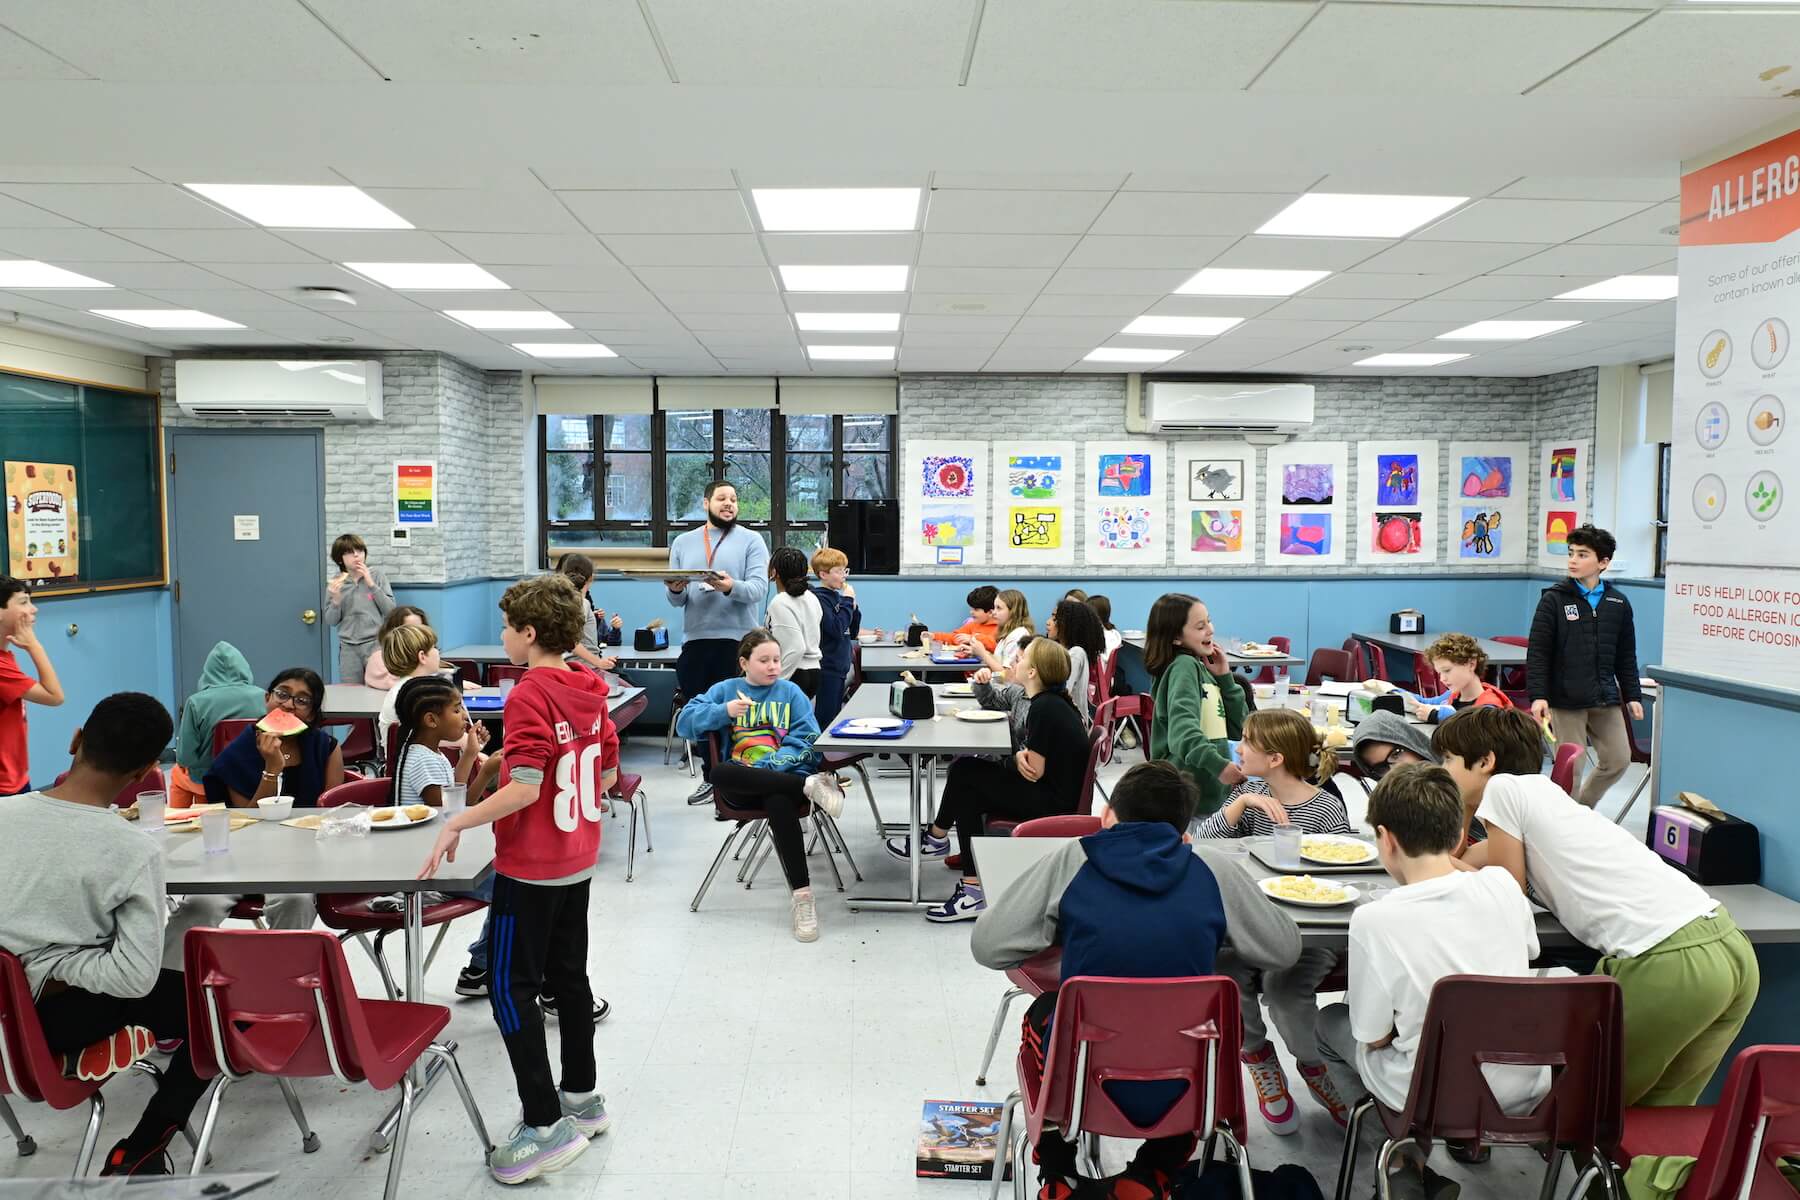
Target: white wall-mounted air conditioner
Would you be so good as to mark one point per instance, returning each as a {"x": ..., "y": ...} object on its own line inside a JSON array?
[
  {"x": 238, "y": 389},
  {"x": 1255, "y": 409}
]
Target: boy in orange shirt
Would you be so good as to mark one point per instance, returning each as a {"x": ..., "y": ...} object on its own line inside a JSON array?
[{"x": 981, "y": 624}]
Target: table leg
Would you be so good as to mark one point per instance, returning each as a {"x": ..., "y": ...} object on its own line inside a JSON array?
[
  {"x": 915, "y": 803},
  {"x": 424, "y": 1077}
]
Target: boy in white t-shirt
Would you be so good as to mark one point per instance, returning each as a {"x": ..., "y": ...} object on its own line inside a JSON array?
[
  {"x": 1416, "y": 935},
  {"x": 1688, "y": 974}
]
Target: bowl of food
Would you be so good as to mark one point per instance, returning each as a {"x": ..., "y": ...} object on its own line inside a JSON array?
[{"x": 275, "y": 808}]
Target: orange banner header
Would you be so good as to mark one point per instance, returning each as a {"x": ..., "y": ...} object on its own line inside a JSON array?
[{"x": 1750, "y": 198}]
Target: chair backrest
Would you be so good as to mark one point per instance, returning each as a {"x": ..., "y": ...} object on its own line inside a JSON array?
[
  {"x": 150, "y": 781},
  {"x": 1640, "y": 753},
  {"x": 373, "y": 792},
  {"x": 1268, "y": 673},
  {"x": 499, "y": 671},
  {"x": 1755, "y": 1123},
  {"x": 1376, "y": 660},
  {"x": 855, "y": 668},
  {"x": 1359, "y": 661},
  {"x": 1327, "y": 664},
  {"x": 226, "y": 732},
  {"x": 1562, "y": 765},
  {"x": 1114, "y": 1031},
  {"x": 1096, "y": 747},
  {"x": 24, "y": 1057},
  {"x": 1060, "y": 825},
  {"x": 1425, "y": 679},
  {"x": 1574, "y": 1026},
  {"x": 466, "y": 668},
  {"x": 357, "y": 741},
  {"x": 278, "y": 1002}
]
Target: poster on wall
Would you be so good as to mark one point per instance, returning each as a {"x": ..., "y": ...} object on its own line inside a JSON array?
[
  {"x": 1732, "y": 599},
  {"x": 1124, "y": 505},
  {"x": 1214, "y": 502},
  {"x": 1304, "y": 513},
  {"x": 43, "y": 532},
  {"x": 415, "y": 494},
  {"x": 1487, "y": 503},
  {"x": 1396, "y": 502},
  {"x": 1562, "y": 497},
  {"x": 944, "y": 492},
  {"x": 1034, "y": 492}
]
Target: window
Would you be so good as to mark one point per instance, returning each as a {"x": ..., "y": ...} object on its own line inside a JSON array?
[
  {"x": 638, "y": 480},
  {"x": 1665, "y": 453}
]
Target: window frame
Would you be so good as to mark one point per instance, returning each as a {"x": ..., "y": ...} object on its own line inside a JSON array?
[{"x": 1665, "y": 461}]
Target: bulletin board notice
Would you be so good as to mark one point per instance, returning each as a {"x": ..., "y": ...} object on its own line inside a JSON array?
[
  {"x": 415, "y": 494},
  {"x": 42, "y": 529}
]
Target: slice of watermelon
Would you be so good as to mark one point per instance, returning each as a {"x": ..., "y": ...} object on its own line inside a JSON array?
[{"x": 282, "y": 723}]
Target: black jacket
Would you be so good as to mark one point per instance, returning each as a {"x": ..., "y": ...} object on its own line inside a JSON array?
[{"x": 1580, "y": 656}]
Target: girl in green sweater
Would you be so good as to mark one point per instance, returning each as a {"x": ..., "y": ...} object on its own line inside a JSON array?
[{"x": 1199, "y": 709}]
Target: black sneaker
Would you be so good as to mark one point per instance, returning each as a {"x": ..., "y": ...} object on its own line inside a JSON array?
[
  {"x": 125, "y": 1161},
  {"x": 701, "y": 794},
  {"x": 601, "y": 1007},
  {"x": 473, "y": 981}
]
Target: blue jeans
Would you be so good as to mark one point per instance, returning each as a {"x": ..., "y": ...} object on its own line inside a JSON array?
[{"x": 478, "y": 949}]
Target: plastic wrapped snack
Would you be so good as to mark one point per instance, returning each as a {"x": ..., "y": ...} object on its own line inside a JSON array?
[{"x": 348, "y": 820}]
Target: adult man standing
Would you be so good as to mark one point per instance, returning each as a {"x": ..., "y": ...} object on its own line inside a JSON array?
[{"x": 721, "y": 608}]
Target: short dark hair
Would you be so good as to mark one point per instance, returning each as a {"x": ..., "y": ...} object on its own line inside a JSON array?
[
  {"x": 983, "y": 597},
  {"x": 1156, "y": 791},
  {"x": 305, "y": 675},
  {"x": 550, "y": 605},
  {"x": 1511, "y": 735},
  {"x": 10, "y": 587},
  {"x": 1603, "y": 544},
  {"x": 1420, "y": 805},
  {"x": 714, "y": 485},
  {"x": 1102, "y": 608},
  {"x": 347, "y": 543},
  {"x": 125, "y": 733},
  {"x": 1162, "y": 631},
  {"x": 750, "y": 641}
]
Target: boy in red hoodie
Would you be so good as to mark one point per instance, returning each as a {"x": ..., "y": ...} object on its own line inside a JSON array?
[{"x": 562, "y": 754}]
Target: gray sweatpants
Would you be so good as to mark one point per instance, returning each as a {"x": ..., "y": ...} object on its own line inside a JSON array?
[
  {"x": 293, "y": 910},
  {"x": 353, "y": 660},
  {"x": 1338, "y": 1045},
  {"x": 1291, "y": 994}
]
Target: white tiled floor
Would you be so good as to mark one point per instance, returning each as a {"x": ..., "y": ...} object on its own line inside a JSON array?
[{"x": 736, "y": 1062}]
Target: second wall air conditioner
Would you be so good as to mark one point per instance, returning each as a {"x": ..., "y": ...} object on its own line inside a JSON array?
[
  {"x": 1260, "y": 410},
  {"x": 238, "y": 389}
]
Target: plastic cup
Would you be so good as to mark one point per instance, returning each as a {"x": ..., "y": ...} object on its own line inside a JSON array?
[
  {"x": 1286, "y": 845},
  {"x": 1281, "y": 692},
  {"x": 506, "y": 686},
  {"x": 456, "y": 797},
  {"x": 215, "y": 830},
  {"x": 151, "y": 808}
]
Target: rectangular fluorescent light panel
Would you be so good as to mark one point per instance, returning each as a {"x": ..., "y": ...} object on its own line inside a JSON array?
[
  {"x": 27, "y": 274},
  {"x": 843, "y": 279},
  {"x": 565, "y": 349},
  {"x": 832, "y": 322},
  {"x": 1626, "y": 288},
  {"x": 1231, "y": 281},
  {"x": 429, "y": 277},
  {"x": 507, "y": 318},
  {"x": 836, "y": 210},
  {"x": 1344, "y": 215},
  {"x": 303, "y": 206},
  {"x": 1181, "y": 326},
  {"x": 1505, "y": 331},
  {"x": 850, "y": 353},
  {"x": 1130, "y": 354},
  {"x": 165, "y": 318},
  {"x": 1409, "y": 360}
]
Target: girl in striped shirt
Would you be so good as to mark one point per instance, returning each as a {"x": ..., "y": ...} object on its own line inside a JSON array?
[{"x": 1287, "y": 762}]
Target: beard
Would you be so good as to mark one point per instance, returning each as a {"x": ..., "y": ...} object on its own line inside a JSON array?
[{"x": 722, "y": 524}]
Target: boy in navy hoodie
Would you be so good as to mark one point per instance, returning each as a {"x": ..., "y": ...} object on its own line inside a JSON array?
[{"x": 1138, "y": 900}]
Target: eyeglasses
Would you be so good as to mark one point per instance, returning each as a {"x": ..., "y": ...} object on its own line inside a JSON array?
[
  {"x": 1377, "y": 769},
  {"x": 297, "y": 699}
]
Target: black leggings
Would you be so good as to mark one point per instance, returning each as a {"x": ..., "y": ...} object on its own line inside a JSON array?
[
  {"x": 537, "y": 945},
  {"x": 806, "y": 680},
  {"x": 783, "y": 797},
  {"x": 977, "y": 788}
]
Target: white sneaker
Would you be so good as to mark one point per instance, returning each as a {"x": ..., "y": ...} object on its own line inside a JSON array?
[
  {"x": 826, "y": 794},
  {"x": 806, "y": 917}
]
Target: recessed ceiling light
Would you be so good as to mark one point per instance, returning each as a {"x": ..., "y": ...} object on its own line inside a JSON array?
[
  {"x": 303, "y": 206},
  {"x": 27, "y": 274},
  {"x": 836, "y": 210},
  {"x": 1232, "y": 281},
  {"x": 507, "y": 318},
  {"x": 843, "y": 279},
  {"x": 1627, "y": 288},
  {"x": 1504, "y": 331},
  {"x": 429, "y": 277},
  {"x": 850, "y": 353},
  {"x": 1409, "y": 360},
  {"x": 165, "y": 318},
  {"x": 1181, "y": 326},
  {"x": 1344, "y": 215},
  {"x": 831, "y": 322},
  {"x": 1130, "y": 354},
  {"x": 565, "y": 349}
]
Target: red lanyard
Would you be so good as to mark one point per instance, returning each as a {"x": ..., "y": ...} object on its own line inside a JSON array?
[{"x": 706, "y": 539}]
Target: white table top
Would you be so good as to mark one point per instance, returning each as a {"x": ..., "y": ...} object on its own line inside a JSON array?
[
  {"x": 271, "y": 857},
  {"x": 494, "y": 653},
  {"x": 1499, "y": 654},
  {"x": 1136, "y": 641},
  {"x": 878, "y": 656},
  {"x": 942, "y": 735}
]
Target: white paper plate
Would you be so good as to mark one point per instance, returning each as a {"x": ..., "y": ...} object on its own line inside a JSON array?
[
  {"x": 399, "y": 821},
  {"x": 872, "y": 724},
  {"x": 1351, "y": 895},
  {"x": 959, "y": 689},
  {"x": 980, "y": 714},
  {"x": 1337, "y": 839}
]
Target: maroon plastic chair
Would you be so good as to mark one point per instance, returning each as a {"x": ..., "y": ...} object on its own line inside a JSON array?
[
  {"x": 1640, "y": 753},
  {"x": 1134, "y": 1030},
  {"x": 497, "y": 672},
  {"x": 1425, "y": 680},
  {"x": 750, "y": 828},
  {"x": 1512, "y": 680},
  {"x": 1375, "y": 658},
  {"x": 1328, "y": 664},
  {"x": 1738, "y": 1141},
  {"x": 1563, "y": 764},
  {"x": 1115, "y": 711},
  {"x": 467, "y": 669},
  {"x": 628, "y": 790},
  {"x": 1360, "y": 667},
  {"x": 150, "y": 781},
  {"x": 282, "y": 1003},
  {"x": 1268, "y": 673},
  {"x": 1574, "y": 1026}
]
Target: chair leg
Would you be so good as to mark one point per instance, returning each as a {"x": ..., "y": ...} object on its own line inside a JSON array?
[
  {"x": 309, "y": 1141},
  {"x": 379, "y": 953},
  {"x": 754, "y": 842},
  {"x": 830, "y": 858},
  {"x": 468, "y": 1098},
  {"x": 718, "y": 862},
  {"x": 397, "y": 1156},
  {"x": 27, "y": 1145},
  {"x": 202, "y": 1151},
  {"x": 641, "y": 806},
  {"x": 1241, "y": 1157},
  {"x": 1615, "y": 1189},
  {"x": 1590, "y": 1173},
  {"x": 1021, "y": 1156},
  {"x": 758, "y": 857},
  {"x": 631, "y": 844},
  {"x": 837, "y": 835},
  {"x": 1554, "y": 1172},
  {"x": 380, "y": 961},
  {"x": 987, "y": 1059},
  {"x": 1003, "y": 1145},
  {"x": 869, "y": 791},
  {"x": 1090, "y": 1156},
  {"x": 437, "y": 941},
  {"x": 90, "y": 1137},
  {"x": 1383, "y": 1185},
  {"x": 1352, "y": 1144}
]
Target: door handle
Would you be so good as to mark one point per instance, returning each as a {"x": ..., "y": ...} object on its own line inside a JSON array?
[{"x": 309, "y": 616}]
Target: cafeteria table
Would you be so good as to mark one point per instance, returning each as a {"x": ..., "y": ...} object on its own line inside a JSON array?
[
  {"x": 890, "y": 659},
  {"x": 1238, "y": 662},
  {"x": 482, "y": 652},
  {"x": 1499, "y": 654},
  {"x": 352, "y": 700},
  {"x": 942, "y": 734}
]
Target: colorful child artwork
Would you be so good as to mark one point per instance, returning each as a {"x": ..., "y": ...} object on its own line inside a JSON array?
[
  {"x": 1399, "y": 532},
  {"x": 1123, "y": 475},
  {"x": 1122, "y": 527},
  {"x": 1035, "y": 529},
  {"x": 1486, "y": 477},
  {"x": 1034, "y": 476},
  {"x": 1305, "y": 535},
  {"x": 947, "y": 527},
  {"x": 1217, "y": 530},
  {"x": 1480, "y": 533},
  {"x": 1216, "y": 479},
  {"x": 1562, "y": 474},
  {"x": 1396, "y": 479},
  {"x": 1308, "y": 483},
  {"x": 1556, "y": 532},
  {"x": 947, "y": 475}
]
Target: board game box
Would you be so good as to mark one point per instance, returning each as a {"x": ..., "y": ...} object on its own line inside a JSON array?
[{"x": 957, "y": 1139}]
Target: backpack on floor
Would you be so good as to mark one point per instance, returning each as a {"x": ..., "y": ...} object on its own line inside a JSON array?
[{"x": 1290, "y": 1181}]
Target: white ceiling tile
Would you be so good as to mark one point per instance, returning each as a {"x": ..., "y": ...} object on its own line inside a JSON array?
[
  {"x": 972, "y": 304},
  {"x": 660, "y": 211},
  {"x": 1471, "y": 258},
  {"x": 1293, "y": 182},
  {"x": 1593, "y": 187},
  {"x": 1052, "y": 341},
  {"x": 845, "y": 302},
  {"x": 417, "y": 325},
  {"x": 119, "y": 205},
  {"x": 1037, "y": 358},
  {"x": 154, "y": 275},
  {"x": 603, "y": 302},
  {"x": 473, "y": 41},
  {"x": 74, "y": 246},
  {"x": 1498, "y": 220},
  {"x": 981, "y": 211},
  {"x": 1300, "y": 254},
  {"x": 1069, "y": 181},
  {"x": 1587, "y": 260},
  {"x": 531, "y": 209},
  {"x": 533, "y": 249},
  {"x": 1421, "y": 176},
  {"x": 1455, "y": 312},
  {"x": 1373, "y": 285},
  {"x": 273, "y": 171},
  {"x": 913, "y": 45},
  {"x": 1580, "y": 310},
  {"x": 615, "y": 179},
  {"x": 219, "y": 245},
  {"x": 20, "y": 60},
  {"x": 740, "y": 323},
  {"x": 1655, "y": 225},
  {"x": 1200, "y": 214},
  {"x": 1389, "y": 334},
  {"x": 576, "y": 277},
  {"x": 218, "y": 300},
  {"x": 683, "y": 303},
  {"x": 1429, "y": 50},
  {"x": 995, "y": 249},
  {"x": 834, "y": 173},
  {"x": 1214, "y": 306},
  {"x": 1265, "y": 328},
  {"x": 720, "y": 279},
  {"x": 211, "y": 41},
  {"x": 947, "y": 360},
  {"x": 285, "y": 278},
  {"x": 1514, "y": 287},
  {"x": 981, "y": 279},
  {"x": 82, "y": 299},
  {"x": 1689, "y": 52},
  {"x": 1076, "y": 329},
  {"x": 840, "y": 249},
  {"x": 961, "y": 341},
  {"x": 1087, "y": 281},
  {"x": 371, "y": 245},
  {"x": 1230, "y": 354},
  {"x": 1311, "y": 308},
  {"x": 981, "y": 324},
  {"x": 740, "y": 343},
  {"x": 58, "y": 173},
  {"x": 1090, "y": 306},
  {"x": 1129, "y": 251}
]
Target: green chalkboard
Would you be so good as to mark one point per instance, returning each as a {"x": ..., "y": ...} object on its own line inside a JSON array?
[{"x": 111, "y": 438}]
